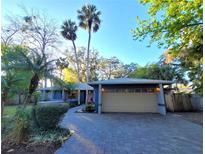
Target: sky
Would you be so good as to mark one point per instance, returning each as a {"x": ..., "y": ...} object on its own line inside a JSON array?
[{"x": 114, "y": 38}]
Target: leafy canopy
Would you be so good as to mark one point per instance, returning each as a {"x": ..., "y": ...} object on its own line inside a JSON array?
[
  {"x": 159, "y": 72},
  {"x": 68, "y": 30},
  {"x": 89, "y": 17},
  {"x": 174, "y": 24},
  {"x": 178, "y": 27}
]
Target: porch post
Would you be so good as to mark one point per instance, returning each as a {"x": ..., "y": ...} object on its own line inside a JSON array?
[
  {"x": 63, "y": 94},
  {"x": 44, "y": 95},
  {"x": 52, "y": 94},
  {"x": 161, "y": 101},
  {"x": 99, "y": 99},
  {"x": 86, "y": 96},
  {"x": 78, "y": 96}
]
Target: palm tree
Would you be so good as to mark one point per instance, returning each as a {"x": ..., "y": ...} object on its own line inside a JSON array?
[
  {"x": 89, "y": 18},
  {"x": 69, "y": 29},
  {"x": 32, "y": 62}
]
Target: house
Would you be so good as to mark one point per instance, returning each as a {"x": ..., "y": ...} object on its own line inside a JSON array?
[
  {"x": 130, "y": 95},
  {"x": 69, "y": 93}
]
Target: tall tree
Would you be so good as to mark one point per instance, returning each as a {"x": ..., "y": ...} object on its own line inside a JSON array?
[
  {"x": 68, "y": 31},
  {"x": 70, "y": 75},
  {"x": 159, "y": 72},
  {"x": 125, "y": 70},
  {"x": 37, "y": 31},
  {"x": 32, "y": 62},
  {"x": 62, "y": 63},
  {"x": 177, "y": 26},
  {"x": 81, "y": 52},
  {"x": 110, "y": 67},
  {"x": 89, "y": 18}
]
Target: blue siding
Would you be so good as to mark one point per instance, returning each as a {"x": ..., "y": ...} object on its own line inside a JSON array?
[
  {"x": 57, "y": 95},
  {"x": 96, "y": 97}
]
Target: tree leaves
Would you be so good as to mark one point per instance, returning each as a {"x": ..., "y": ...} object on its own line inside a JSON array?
[{"x": 176, "y": 26}]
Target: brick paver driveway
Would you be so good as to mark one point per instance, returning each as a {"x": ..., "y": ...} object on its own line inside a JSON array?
[{"x": 119, "y": 133}]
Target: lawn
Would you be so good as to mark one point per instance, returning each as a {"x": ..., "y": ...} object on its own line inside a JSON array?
[
  {"x": 10, "y": 110},
  {"x": 7, "y": 123}
]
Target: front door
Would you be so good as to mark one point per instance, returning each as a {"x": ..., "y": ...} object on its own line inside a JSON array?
[{"x": 82, "y": 97}]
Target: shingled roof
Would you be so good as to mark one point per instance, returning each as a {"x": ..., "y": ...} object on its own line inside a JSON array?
[{"x": 75, "y": 86}]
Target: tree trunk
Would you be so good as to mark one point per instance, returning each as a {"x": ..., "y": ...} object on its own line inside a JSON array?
[
  {"x": 32, "y": 87},
  {"x": 88, "y": 65},
  {"x": 88, "y": 57},
  {"x": 78, "y": 69},
  {"x": 34, "y": 116},
  {"x": 19, "y": 97},
  {"x": 76, "y": 59},
  {"x": 45, "y": 81}
]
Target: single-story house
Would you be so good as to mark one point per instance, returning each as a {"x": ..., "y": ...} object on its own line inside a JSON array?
[
  {"x": 130, "y": 95},
  {"x": 66, "y": 93}
]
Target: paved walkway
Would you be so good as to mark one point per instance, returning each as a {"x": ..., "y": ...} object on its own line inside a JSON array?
[{"x": 119, "y": 133}]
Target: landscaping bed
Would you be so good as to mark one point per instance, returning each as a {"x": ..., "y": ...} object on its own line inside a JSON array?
[
  {"x": 20, "y": 133},
  {"x": 89, "y": 108},
  {"x": 11, "y": 147}
]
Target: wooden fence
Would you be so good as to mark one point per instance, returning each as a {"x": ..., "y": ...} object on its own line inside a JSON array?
[{"x": 183, "y": 102}]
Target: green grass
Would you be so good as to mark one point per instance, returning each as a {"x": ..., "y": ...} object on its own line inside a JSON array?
[
  {"x": 10, "y": 110},
  {"x": 7, "y": 121}
]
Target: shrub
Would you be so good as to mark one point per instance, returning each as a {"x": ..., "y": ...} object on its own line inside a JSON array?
[
  {"x": 90, "y": 107},
  {"x": 36, "y": 97},
  {"x": 54, "y": 135},
  {"x": 48, "y": 115},
  {"x": 22, "y": 122}
]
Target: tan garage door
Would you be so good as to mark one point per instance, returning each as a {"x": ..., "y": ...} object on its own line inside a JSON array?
[{"x": 129, "y": 102}]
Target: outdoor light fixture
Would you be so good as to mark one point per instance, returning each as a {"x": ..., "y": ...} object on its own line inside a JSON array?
[
  {"x": 157, "y": 89},
  {"x": 103, "y": 89}
]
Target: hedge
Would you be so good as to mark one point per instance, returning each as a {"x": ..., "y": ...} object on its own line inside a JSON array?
[{"x": 48, "y": 115}]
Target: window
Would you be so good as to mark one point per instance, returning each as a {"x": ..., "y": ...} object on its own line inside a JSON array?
[{"x": 130, "y": 90}]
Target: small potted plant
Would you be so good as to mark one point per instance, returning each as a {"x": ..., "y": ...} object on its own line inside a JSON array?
[{"x": 90, "y": 107}]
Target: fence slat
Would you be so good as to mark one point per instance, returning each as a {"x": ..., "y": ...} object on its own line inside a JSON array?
[{"x": 183, "y": 102}]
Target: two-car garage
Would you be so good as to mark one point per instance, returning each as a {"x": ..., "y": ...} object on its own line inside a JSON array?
[
  {"x": 130, "y": 95},
  {"x": 129, "y": 102}
]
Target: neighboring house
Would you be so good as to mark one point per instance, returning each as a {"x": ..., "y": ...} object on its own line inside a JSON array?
[
  {"x": 70, "y": 93},
  {"x": 130, "y": 95}
]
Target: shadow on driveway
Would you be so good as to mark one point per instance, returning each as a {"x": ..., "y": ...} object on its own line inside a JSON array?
[{"x": 118, "y": 133}]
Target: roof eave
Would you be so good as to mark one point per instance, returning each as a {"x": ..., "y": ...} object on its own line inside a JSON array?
[{"x": 164, "y": 83}]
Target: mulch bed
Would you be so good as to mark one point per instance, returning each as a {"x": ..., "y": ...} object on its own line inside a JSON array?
[
  {"x": 84, "y": 111},
  {"x": 10, "y": 147}
]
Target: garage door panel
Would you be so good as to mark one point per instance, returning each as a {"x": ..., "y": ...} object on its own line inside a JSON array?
[{"x": 129, "y": 102}]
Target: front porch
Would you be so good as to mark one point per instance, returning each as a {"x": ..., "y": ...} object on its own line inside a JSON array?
[{"x": 77, "y": 93}]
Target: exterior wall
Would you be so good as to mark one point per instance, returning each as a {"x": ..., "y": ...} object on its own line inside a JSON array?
[
  {"x": 157, "y": 97},
  {"x": 96, "y": 96},
  {"x": 57, "y": 95}
]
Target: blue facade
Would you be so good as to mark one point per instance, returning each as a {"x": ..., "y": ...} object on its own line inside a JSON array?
[
  {"x": 96, "y": 96},
  {"x": 57, "y": 95}
]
